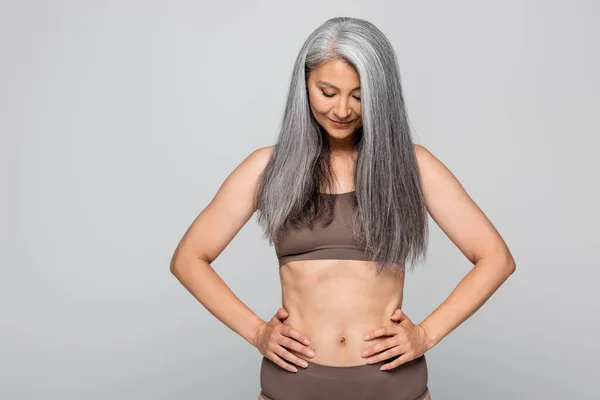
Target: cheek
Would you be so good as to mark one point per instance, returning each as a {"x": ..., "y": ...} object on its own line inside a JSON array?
[{"x": 319, "y": 105}]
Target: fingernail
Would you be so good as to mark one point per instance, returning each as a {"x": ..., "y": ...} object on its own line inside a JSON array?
[
  {"x": 304, "y": 364},
  {"x": 311, "y": 353},
  {"x": 365, "y": 353},
  {"x": 370, "y": 360},
  {"x": 306, "y": 342},
  {"x": 294, "y": 369},
  {"x": 367, "y": 336}
]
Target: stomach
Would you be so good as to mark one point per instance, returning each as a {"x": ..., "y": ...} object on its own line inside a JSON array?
[{"x": 335, "y": 302}]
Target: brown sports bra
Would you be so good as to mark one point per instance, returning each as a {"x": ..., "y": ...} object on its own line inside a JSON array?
[{"x": 334, "y": 241}]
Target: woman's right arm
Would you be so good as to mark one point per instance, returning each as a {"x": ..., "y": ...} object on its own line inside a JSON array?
[{"x": 209, "y": 234}]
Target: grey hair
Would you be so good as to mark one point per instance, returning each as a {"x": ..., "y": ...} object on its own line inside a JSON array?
[{"x": 390, "y": 216}]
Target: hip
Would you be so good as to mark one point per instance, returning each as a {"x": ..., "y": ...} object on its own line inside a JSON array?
[{"x": 405, "y": 382}]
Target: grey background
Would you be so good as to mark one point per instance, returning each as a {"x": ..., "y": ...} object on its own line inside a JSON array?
[{"x": 120, "y": 119}]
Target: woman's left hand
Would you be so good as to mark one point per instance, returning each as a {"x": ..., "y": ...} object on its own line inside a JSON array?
[{"x": 405, "y": 338}]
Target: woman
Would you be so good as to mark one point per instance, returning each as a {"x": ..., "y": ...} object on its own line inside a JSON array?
[{"x": 344, "y": 197}]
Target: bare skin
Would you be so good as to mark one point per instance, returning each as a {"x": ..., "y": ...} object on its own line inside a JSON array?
[
  {"x": 356, "y": 299},
  {"x": 334, "y": 302}
]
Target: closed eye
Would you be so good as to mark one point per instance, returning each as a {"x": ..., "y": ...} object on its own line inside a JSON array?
[{"x": 331, "y": 95}]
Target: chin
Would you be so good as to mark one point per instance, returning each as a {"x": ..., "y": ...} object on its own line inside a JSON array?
[{"x": 338, "y": 134}]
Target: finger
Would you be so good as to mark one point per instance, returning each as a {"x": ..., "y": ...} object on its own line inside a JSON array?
[
  {"x": 291, "y": 332},
  {"x": 277, "y": 360},
  {"x": 294, "y": 345},
  {"x": 397, "y": 362},
  {"x": 379, "y": 347},
  {"x": 288, "y": 356},
  {"x": 387, "y": 330},
  {"x": 394, "y": 351}
]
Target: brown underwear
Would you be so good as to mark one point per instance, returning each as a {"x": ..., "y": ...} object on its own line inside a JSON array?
[{"x": 361, "y": 382}]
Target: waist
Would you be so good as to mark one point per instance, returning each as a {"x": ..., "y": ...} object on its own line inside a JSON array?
[
  {"x": 335, "y": 302},
  {"x": 338, "y": 340}
]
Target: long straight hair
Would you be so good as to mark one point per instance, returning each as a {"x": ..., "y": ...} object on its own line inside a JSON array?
[{"x": 390, "y": 216}]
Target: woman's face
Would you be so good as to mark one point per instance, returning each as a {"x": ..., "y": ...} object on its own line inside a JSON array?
[{"x": 334, "y": 95}]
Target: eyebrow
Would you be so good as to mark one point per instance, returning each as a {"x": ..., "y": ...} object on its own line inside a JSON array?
[{"x": 334, "y": 87}]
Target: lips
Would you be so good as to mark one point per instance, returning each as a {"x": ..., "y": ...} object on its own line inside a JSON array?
[{"x": 339, "y": 122}]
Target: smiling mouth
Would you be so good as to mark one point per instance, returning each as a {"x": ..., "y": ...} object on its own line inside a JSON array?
[{"x": 339, "y": 122}]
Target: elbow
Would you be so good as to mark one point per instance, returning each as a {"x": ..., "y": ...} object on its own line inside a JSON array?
[
  {"x": 173, "y": 267},
  {"x": 182, "y": 262},
  {"x": 512, "y": 268},
  {"x": 509, "y": 264},
  {"x": 502, "y": 263},
  {"x": 177, "y": 263}
]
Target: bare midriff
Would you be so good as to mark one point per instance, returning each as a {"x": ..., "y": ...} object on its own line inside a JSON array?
[{"x": 335, "y": 302}]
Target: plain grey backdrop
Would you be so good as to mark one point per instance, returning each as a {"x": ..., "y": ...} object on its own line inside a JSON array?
[{"x": 119, "y": 120}]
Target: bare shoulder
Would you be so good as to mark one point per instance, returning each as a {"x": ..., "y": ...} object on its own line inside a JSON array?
[
  {"x": 227, "y": 212},
  {"x": 238, "y": 188},
  {"x": 260, "y": 157},
  {"x": 422, "y": 154},
  {"x": 455, "y": 212},
  {"x": 431, "y": 169}
]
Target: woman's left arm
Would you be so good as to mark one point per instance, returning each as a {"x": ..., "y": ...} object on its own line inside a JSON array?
[{"x": 471, "y": 231}]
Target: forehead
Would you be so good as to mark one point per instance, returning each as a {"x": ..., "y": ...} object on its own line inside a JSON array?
[{"x": 338, "y": 73}]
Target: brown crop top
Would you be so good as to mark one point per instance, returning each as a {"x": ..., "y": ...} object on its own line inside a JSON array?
[{"x": 334, "y": 241}]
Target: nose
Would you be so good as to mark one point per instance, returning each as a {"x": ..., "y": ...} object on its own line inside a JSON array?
[{"x": 342, "y": 110}]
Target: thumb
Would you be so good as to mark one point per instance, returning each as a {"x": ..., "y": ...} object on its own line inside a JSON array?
[
  {"x": 281, "y": 314},
  {"x": 398, "y": 316}
]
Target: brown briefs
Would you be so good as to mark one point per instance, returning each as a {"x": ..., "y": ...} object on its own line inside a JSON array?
[{"x": 362, "y": 382}]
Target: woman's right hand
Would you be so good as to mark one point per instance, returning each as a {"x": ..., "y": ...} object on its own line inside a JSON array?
[{"x": 273, "y": 339}]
